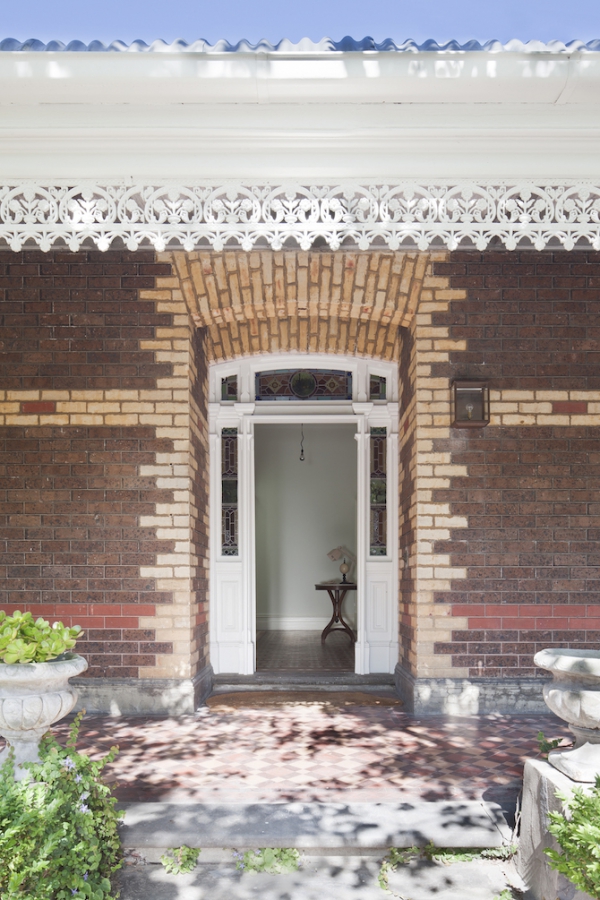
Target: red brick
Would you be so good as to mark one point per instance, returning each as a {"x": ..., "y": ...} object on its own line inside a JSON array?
[
  {"x": 485, "y": 623},
  {"x": 569, "y": 406},
  {"x": 468, "y": 609},
  {"x": 38, "y": 406},
  {"x": 121, "y": 622},
  {"x": 554, "y": 624},
  {"x": 132, "y": 609},
  {"x": 519, "y": 623}
]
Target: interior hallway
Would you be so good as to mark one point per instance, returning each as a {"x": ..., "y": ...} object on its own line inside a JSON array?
[{"x": 302, "y": 651}]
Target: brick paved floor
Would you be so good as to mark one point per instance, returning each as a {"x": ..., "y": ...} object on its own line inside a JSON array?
[{"x": 314, "y": 752}]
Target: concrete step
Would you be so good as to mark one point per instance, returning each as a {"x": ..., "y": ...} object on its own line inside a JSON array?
[
  {"x": 323, "y": 878},
  {"x": 384, "y": 690},
  {"x": 322, "y": 827},
  {"x": 278, "y": 679}
]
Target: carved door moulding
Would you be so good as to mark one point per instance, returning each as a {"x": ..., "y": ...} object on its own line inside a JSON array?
[{"x": 355, "y": 213}]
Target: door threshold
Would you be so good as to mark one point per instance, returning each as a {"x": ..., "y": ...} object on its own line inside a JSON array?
[{"x": 275, "y": 677}]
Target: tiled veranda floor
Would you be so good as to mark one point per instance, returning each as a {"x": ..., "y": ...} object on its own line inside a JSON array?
[{"x": 315, "y": 752}]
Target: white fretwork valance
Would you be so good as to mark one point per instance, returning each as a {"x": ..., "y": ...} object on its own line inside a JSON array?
[{"x": 235, "y": 215}]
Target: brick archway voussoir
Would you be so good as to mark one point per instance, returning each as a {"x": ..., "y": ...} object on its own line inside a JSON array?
[{"x": 311, "y": 302}]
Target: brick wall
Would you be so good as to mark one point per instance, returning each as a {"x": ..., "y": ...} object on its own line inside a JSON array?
[
  {"x": 531, "y": 548},
  {"x": 87, "y": 407}
]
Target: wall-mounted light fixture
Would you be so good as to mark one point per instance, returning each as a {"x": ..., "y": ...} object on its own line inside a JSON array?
[{"x": 470, "y": 404}]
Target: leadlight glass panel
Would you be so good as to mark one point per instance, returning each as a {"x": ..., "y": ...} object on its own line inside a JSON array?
[
  {"x": 377, "y": 387},
  {"x": 229, "y": 388},
  {"x": 378, "y": 498},
  {"x": 229, "y": 492},
  {"x": 304, "y": 384}
]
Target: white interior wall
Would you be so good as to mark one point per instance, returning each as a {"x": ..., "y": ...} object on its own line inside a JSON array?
[{"x": 303, "y": 510}]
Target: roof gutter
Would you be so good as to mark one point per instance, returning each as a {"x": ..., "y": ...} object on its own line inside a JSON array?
[{"x": 372, "y": 77}]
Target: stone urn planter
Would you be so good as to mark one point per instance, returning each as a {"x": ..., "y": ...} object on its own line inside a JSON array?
[
  {"x": 574, "y": 695},
  {"x": 32, "y": 697}
]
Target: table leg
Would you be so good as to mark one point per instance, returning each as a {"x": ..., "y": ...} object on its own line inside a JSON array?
[{"x": 337, "y": 598}]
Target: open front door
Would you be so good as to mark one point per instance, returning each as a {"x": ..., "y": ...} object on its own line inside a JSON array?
[{"x": 232, "y": 503}]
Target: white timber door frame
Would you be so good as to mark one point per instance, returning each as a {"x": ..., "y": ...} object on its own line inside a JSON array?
[{"x": 232, "y": 615}]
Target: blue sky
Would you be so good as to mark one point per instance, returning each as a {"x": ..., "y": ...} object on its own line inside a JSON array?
[{"x": 273, "y": 19}]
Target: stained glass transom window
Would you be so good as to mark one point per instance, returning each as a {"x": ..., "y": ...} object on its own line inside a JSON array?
[
  {"x": 229, "y": 492},
  {"x": 378, "y": 486},
  {"x": 377, "y": 387},
  {"x": 229, "y": 388},
  {"x": 304, "y": 384}
]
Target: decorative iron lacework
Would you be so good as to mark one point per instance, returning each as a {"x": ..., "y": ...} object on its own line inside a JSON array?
[
  {"x": 378, "y": 497},
  {"x": 229, "y": 492},
  {"x": 304, "y": 384},
  {"x": 239, "y": 215}
]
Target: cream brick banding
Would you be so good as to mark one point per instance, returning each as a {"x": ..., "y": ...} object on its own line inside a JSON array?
[
  {"x": 427, "y": 420},
  {"x": 521, "y": 407}
]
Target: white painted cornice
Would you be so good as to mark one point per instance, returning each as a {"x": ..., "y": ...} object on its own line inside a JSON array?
[{"x": 389, "y": 216}]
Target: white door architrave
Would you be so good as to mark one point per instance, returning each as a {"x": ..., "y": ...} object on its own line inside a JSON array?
[{"x": 232, "y": 578}]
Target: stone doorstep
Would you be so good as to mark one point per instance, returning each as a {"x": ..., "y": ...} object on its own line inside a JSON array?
[
  {"x": 334, "y": 877},
  {"x": 273, "y": 680},
  {"x": 384, "y": 690},
  {"x": 319, "y": 827}
]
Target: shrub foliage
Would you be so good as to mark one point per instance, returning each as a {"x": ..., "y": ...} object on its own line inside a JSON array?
[
  {"x": 58, "y": 827},
  {"x": 577, "y": 833}
]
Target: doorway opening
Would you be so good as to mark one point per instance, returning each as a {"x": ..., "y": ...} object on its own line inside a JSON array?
[
  {"x": 305, "y": 509},
  {"x": 339, "y": 401}
]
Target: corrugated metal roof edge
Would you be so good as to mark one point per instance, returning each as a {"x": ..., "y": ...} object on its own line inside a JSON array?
[{"x": 347, "y": 44}]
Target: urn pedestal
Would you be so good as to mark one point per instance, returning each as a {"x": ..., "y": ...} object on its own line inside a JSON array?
[
  {"x": 574, "y": 695},
  {"x": 32, "y": 697}
]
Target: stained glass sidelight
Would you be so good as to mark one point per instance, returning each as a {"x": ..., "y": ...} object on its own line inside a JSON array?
[
  {"x": 304, "y": 384},
  {"x": 229, "y": 492},
  {"x": 229, "y": 388},
  {"x": 378, "y": 485},
  {"x": 377, "y": 387}
]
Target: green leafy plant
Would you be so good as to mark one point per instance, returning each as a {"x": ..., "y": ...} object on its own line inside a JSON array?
[
  {"x": 506, "y": 894},
  {"x": 25, "y": 640},
  {"x": 403, "y": 857},
  {"x": 396, "y": 857},
  {"x": 272, "y": 861},
  {"x": 465, "y": 854},
  {"x": 59, "y": 827},
  {"x": 545, "y": 745},
  {"x": 577, "y": 833},
  {"x": 180, "y": 860}
]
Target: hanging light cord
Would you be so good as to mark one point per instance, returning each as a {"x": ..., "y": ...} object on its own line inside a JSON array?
[{"x": 302, "y": 444}]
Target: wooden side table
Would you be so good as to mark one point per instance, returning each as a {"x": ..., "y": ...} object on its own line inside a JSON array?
[{"x": 337, "y": 592}]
